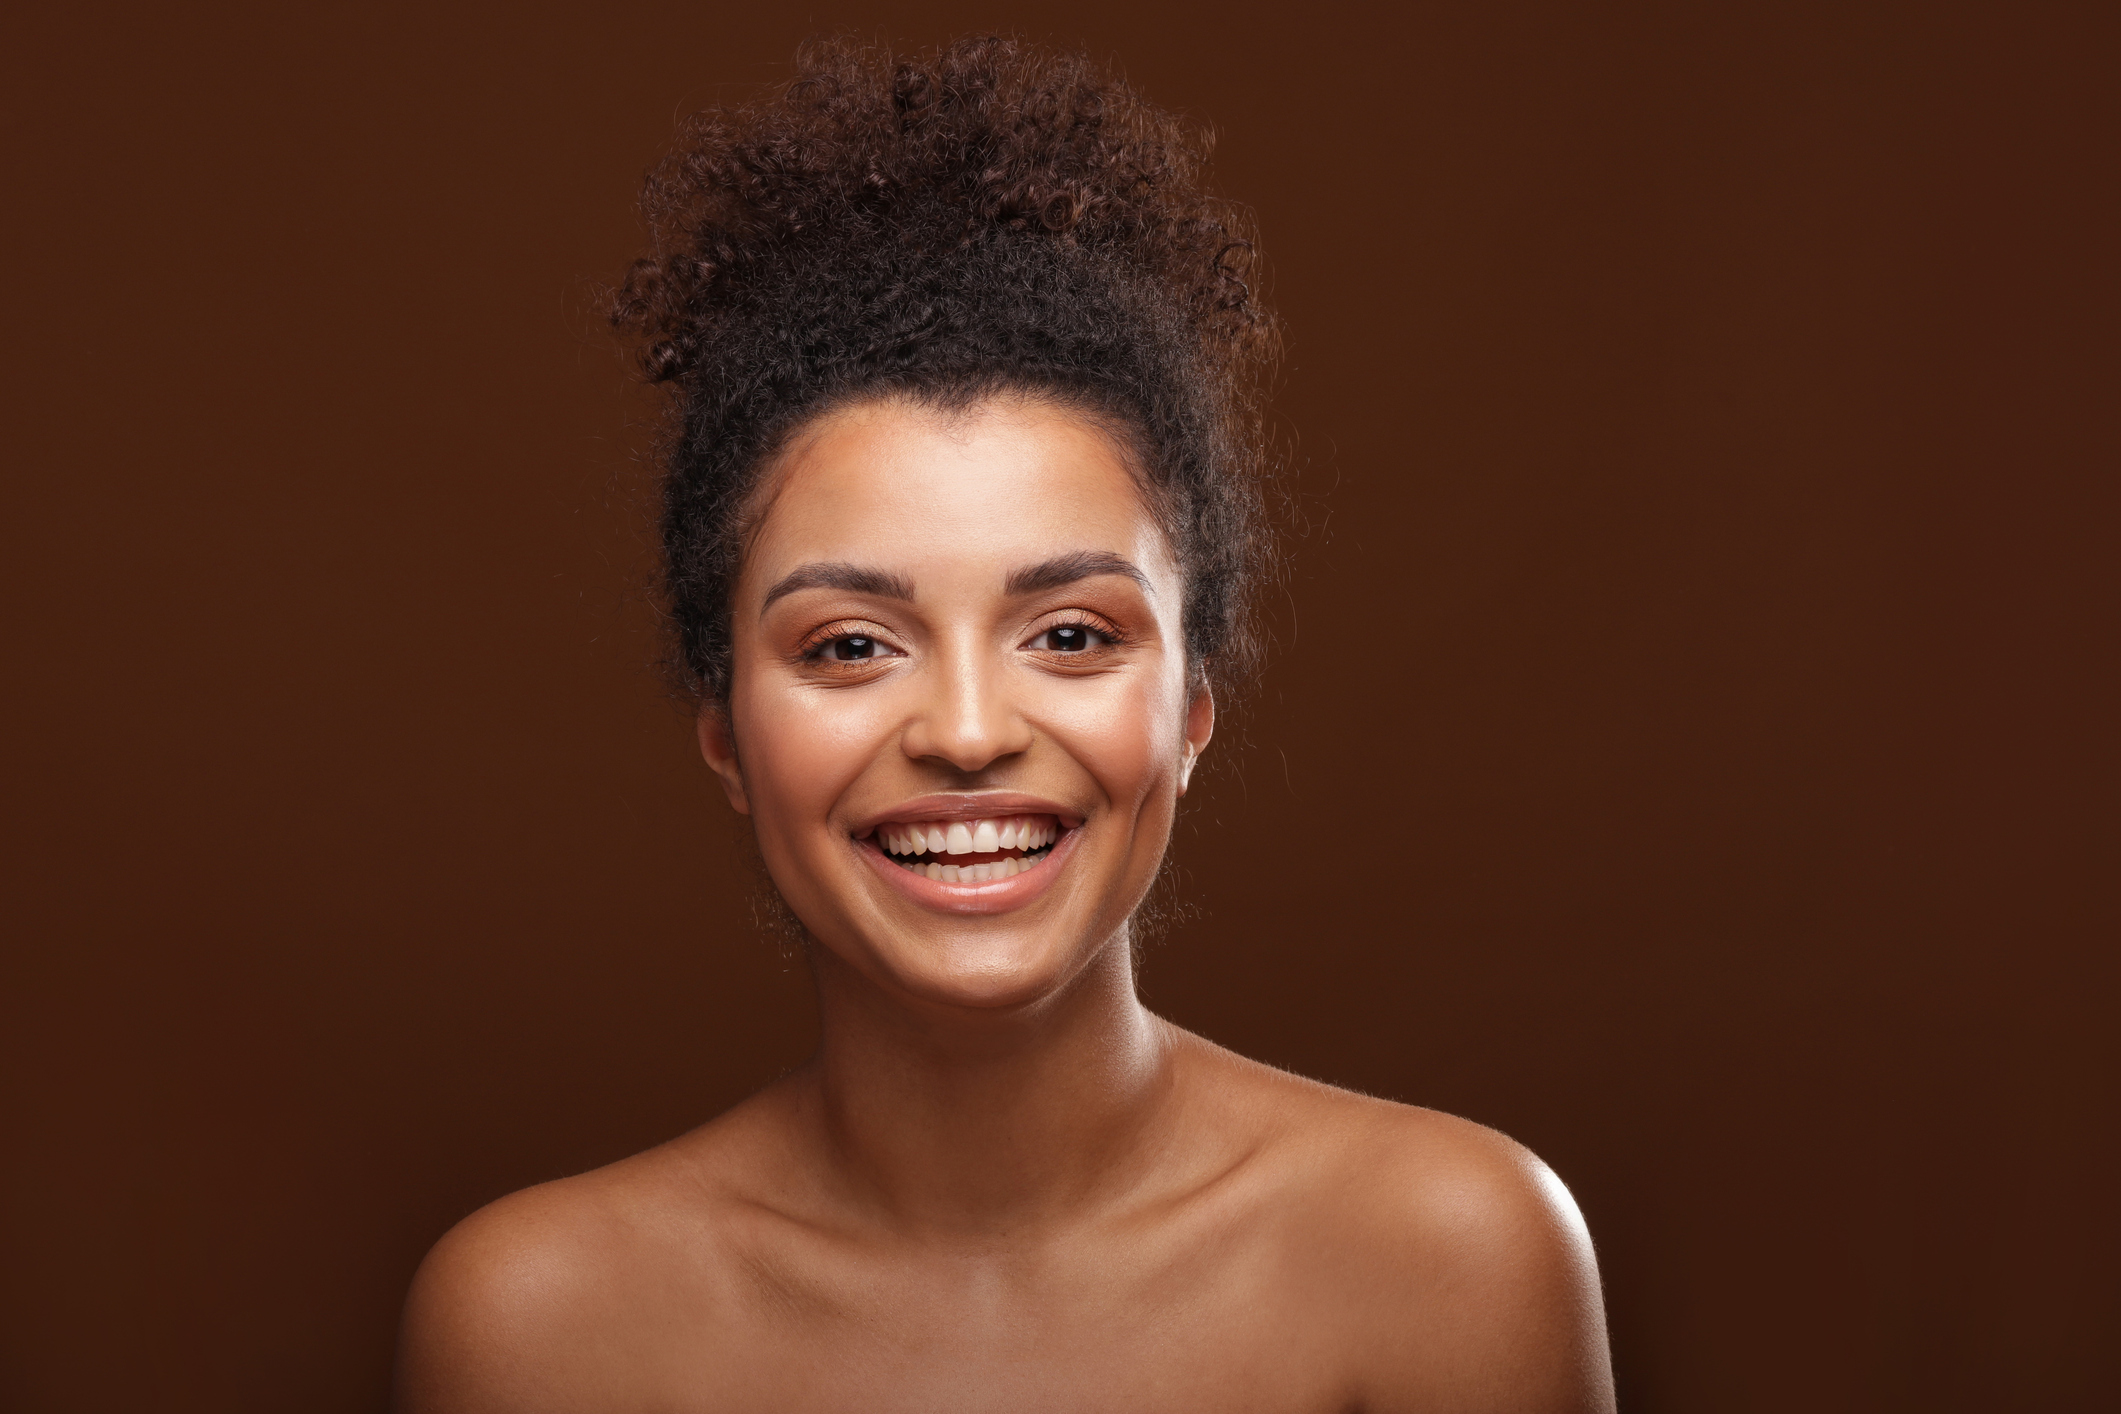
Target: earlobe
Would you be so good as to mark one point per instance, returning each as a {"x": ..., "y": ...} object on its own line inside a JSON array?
[
  {"x": 1200, "y": 725},
  {"x": 718, "y": 749}
]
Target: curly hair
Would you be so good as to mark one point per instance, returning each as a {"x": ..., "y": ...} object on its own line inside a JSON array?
[{"x": 991, "y": 219}]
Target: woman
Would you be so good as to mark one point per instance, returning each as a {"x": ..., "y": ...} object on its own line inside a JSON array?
[{"x": 960, "y": 515}]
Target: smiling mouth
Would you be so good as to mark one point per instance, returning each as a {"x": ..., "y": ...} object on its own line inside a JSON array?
[{"x": 969, "y": 851}]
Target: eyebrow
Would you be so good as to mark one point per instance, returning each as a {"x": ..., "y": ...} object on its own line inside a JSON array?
[
  {"x": 884, "y": 584},
  {"x": 838, "y": 574},
  {"x": 1067, "y": 569}
]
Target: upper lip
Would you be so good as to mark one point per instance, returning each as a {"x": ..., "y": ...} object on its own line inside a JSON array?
[{"x": 967, "y": 805}]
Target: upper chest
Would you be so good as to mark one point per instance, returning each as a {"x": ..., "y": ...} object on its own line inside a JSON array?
[{"x": 1207, "y": 1315}]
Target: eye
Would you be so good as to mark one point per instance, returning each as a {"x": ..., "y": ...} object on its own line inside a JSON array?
[
  {"x": 846, "y": 644},
  {"x": 1069, "y": 638},
  {"x": 852, "y": 648}
]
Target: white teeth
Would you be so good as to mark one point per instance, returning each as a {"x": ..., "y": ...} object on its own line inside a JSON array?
[
  {"x": 999, "y": 870},
  {"x": 1025, "y": 832}
]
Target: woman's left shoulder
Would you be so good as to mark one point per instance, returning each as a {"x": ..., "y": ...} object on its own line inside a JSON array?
[
  {"x": 1400, "y": 1173},
  {"x": 1403, "y": 1166},
  {"x": 1432, "y": 1177},
  {"x": 1473, "y": 1265}
]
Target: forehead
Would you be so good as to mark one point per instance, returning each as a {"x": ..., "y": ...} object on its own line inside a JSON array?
[{"x": 951, "y": 498}]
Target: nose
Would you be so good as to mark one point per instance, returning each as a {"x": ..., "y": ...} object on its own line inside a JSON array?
[{"x": 967, "y": 717}]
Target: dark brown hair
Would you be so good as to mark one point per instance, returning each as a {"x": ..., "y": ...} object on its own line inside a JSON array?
[{"x": 990, "y": 219}]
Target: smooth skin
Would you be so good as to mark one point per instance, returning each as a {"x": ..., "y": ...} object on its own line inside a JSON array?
[{"x": 1001, "y": 1184}]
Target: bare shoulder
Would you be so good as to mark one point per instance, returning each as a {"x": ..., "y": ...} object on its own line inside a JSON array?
[
  {"x": 565, "y": 1296},
  {"x": 1456, "y": 1259}
]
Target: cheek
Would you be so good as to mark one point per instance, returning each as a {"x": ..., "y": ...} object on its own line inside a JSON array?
[
  {"x": 1128, "y": 738},
  {"x": 800, "y": 751}
]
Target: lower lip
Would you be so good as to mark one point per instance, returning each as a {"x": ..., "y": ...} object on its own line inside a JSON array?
[{"x": 995, "y": 896}]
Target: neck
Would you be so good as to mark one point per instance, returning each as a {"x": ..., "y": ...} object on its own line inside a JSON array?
[{"x": 980, "y": 1121}]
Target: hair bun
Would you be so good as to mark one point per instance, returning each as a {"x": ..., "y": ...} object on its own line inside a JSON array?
[{"x": 990, "y": 216}]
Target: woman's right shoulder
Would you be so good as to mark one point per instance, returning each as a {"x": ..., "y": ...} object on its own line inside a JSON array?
[
  {"x": 553, "y": 1297},
  {"x": 508, "y": 1303}
]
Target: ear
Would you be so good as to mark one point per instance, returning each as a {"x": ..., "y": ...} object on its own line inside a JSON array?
[
  {"x": 1200, "y": 725},
  {"x": 718, "y": 748}
]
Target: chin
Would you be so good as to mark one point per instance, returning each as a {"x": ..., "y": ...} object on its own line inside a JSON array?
[{"x": 980, "y": 973}]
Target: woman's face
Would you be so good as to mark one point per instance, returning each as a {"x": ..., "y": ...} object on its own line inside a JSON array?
[{"x": 960, "y": 711}]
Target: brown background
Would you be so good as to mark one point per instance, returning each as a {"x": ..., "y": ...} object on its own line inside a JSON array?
[{"x": 1690, "y": 748}]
